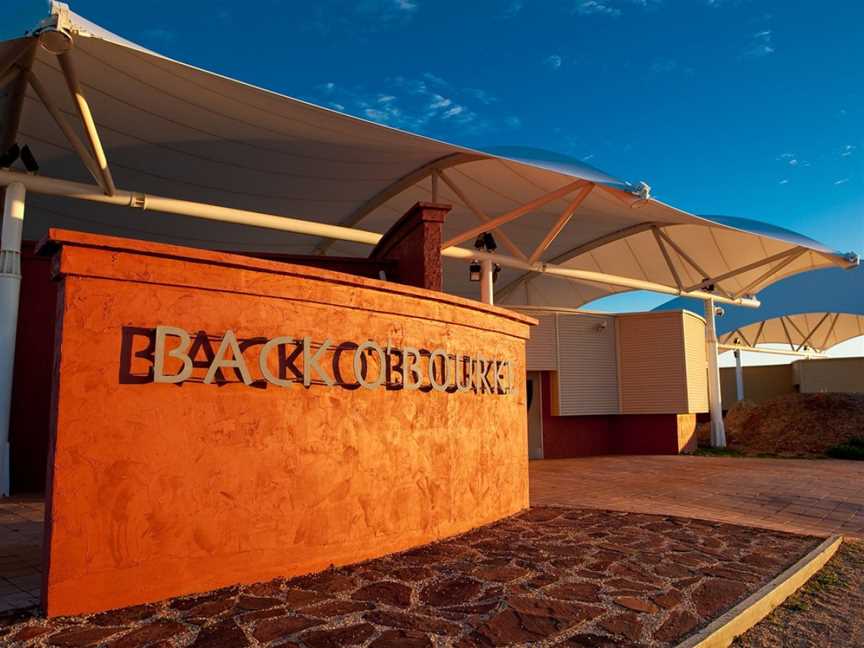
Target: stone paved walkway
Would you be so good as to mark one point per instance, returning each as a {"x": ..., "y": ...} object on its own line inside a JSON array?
[
  {"x": 21, "y": 521},
  {"x": 819, "y": 497},
  {"x": 548, "y": 577}
]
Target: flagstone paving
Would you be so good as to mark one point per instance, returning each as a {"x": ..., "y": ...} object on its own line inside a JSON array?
[{"x": 548, "y": 577}]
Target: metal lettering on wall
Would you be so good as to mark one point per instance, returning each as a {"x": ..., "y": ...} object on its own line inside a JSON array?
[{"x": 175, "y": 356}]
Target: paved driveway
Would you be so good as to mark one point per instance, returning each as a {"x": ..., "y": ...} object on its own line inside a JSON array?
[{"x": 819, "y": 497}]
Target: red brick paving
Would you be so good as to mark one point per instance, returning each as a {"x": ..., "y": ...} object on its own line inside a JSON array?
[
  {"x": 551, "y": 576},
  {"x": 818, "y": 497}
]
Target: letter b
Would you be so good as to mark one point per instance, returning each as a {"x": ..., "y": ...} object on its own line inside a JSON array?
[{"x": 179, "y": 353}]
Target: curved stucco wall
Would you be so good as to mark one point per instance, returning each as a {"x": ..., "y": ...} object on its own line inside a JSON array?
[{"x": 160, "y": 489}]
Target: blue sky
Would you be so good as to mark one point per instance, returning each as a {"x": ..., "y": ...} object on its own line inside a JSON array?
[{"x": 739, "y": 107}]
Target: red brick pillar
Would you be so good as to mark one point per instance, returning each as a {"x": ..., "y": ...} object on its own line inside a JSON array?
[{"x": 414, "y": 245}]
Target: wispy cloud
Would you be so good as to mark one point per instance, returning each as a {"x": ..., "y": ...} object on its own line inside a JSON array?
[
  {"x": 848, "y": 150},
  {"x": 718, "y": 4},
  {"x": 512, "y": 9},
  {"x": 761, "y": 44},
  {"x": 592, "y": 7},
  {"x": 426, "y": 104},
  {"x": 612, "y": 8},
  {"x": 553, "y": 61},
  {"x": 363, "y": 17},
  {"x": 841, "y": 181},
  {"x": 387, "y": 8},
  {"x": 784, "y": 181}
]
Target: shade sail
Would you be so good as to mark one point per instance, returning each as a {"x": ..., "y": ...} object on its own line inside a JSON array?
[
  {"x": 818, "y": 309},
  {"x": 174, "y": 130}
]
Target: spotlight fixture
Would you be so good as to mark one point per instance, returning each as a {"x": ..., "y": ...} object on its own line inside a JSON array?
[
  {"x": 8, "y": 158},
  {"x": 489, "y": 242},
  {"x": 474, "y": 270},
  {"x": 496, "y": 270},
  {"x": 708, "y": 287},
  {"x": 719, "y": 311},
  {"x": 485, "y": 242},
  {"x": 29, "y": 160}
]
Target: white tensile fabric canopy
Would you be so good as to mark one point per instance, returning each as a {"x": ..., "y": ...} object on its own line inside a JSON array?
[
  {"x": 815, "y": 311},
  {"x": 173, "y": 130}
]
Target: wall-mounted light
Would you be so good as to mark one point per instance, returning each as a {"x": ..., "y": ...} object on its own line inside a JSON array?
[
  {"x": 474, "y": 270},
  {"x": 496, "y": 270}
]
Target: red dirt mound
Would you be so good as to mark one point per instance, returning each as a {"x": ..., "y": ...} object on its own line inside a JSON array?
[{"x": 793, "y": 424}]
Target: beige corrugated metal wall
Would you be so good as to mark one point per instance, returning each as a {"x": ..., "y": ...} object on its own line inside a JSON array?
[
  {"x": 542, "y": 348},
  {"x": 638, "y": 363},
  {"x": 760, "y": 383},
  {"x": 652, "y": 369},
  {"x": 696, "y": 363},
  {"x": 844, "y": 375},
  {"x": 587, "y": 368}
]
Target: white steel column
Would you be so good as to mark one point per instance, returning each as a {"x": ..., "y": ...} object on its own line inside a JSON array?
[
  {"x": 739, "y": 376},
  {"x": 10, "y": 289},
  {"x": 718, "y": 432},
  {"x": 486, "y": 293}
]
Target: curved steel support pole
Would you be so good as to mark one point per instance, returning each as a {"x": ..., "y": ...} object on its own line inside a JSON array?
[
  {"x": 718, "y": 431},
  {"x": 10, "y": 290},
  {"x": 739, "y": 376},
  {"x": 486, "y": 290}
]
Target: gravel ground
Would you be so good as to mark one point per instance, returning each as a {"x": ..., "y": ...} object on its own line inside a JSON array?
[
  {"x": 827, "y": 611},
  {"x": 547, "y": 577}
]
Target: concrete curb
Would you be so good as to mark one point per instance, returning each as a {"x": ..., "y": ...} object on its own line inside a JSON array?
[{"x": 724, "y": 629}]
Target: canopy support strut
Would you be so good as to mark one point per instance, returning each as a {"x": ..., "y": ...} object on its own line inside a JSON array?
[
  {"x": 830, "y": 330},
  {"x": 750, "y": 266},
  {"x": 791, "y": 256},
  {"x": 71, "y": 136},
  {"x": 519, "y": 212},
  {"x": 479, "y": 213},
  {"x": 688, "y": 259},
  {"x": 561, "y": 223},
  {"x": 83, "y": 108},
  {"x": 667, "y": 258},
  {"x": 813, "y": 331}
]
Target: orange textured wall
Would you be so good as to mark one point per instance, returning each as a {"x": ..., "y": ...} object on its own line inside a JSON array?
[{"x": 157, "y": 490}]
